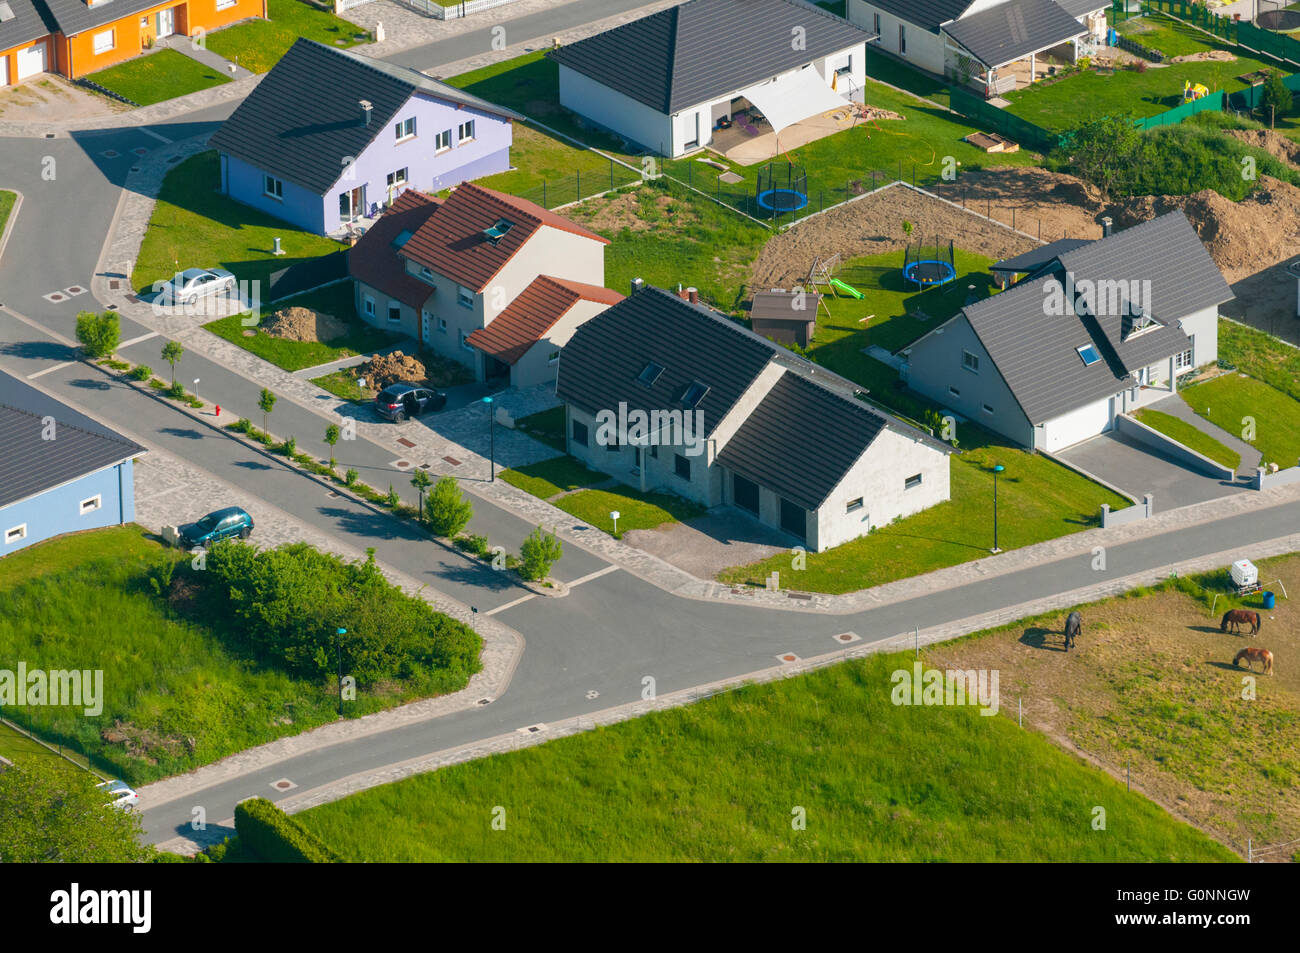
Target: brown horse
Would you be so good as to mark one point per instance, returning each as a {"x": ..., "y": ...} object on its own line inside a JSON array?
[
  {"x": 1239, "y": 617},
  {"x": 1256, "y": 655}
]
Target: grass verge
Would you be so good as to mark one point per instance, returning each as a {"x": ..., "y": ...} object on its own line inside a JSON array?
[
  {"x": 1180, "y": 430},
  {"x": 257, "y": 45},
  {"x": 1265, "y": 417},
  {"x": 158, "y": 76},
  {"x": 549, "y": 478}
]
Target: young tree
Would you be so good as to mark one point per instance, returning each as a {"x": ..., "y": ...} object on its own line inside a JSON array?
[
  {"x": 54, "y": 814},
  {"x": 1106, "y": 152},
  {"x": 266, "y": 401},
  {"x": 1276, "y": 99},
  {"x": 420, "y": 480},
  {"x": 331, "y": 438},
  {"x": 171, "y": 353},
  {"x": 539, "y": 552},
  {"x": 98, "y": 334},
  {"x": 447, "y": 509}
]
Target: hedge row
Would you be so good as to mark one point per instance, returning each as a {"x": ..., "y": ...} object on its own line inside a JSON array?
[{"x": 276, "y": 837}]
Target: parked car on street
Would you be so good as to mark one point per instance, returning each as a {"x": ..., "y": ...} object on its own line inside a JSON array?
[
  {"x": 403, "y": 399},
  {"x": 218, "y": 525},
  {"x": 194, "y": 283},
  {"x": 119, "y": 794}
]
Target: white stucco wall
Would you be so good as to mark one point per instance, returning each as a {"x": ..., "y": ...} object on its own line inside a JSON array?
[
  {"x": 535, "y": 366},
  {"x": 924, "y": 48},
  {"x": 628, "y": 118},
  {"x": 1203, "y": 325}
]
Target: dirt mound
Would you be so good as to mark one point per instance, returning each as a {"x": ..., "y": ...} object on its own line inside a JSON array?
[
  {"x": 1203, "y": 55},
  {"x": 304, "y": 324},
  {"x": 384, "y": 369},
  {"x": 1279, "y": 147}
]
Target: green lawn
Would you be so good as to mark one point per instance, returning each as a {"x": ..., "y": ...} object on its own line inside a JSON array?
[
  {"x": 334, "y": 299},
  {"x": 343, "y": 385},
  {"x": 1233, "y": 401},
  {"x": 546, "y": 426},
  {"x": 636, "y": 510},
  {"x": 18, "y": 748},
  {"x": 1037, "y": 500},
  {"x": 7, "y": 202},
  {"x": 1189, "y": 436},
  {"x": 163, "y": 74},
  {"x": 176, "y": 694},
  {"x": 720, "y": 781},
  {"x": 549, "y": 478},
  {"x": 259, "y": 44},
  {"x": 1261, "y": 355},
  {"x": 1069, "y": 103},
  {"x": 194, "y": 226},
  {"x": 895, "y": 72}
]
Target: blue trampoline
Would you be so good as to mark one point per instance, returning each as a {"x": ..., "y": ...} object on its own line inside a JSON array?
[
  {"x": 781, "y": 187},
  {"x": 782, "y": 200},
  {"x": 929, "y": 270}
]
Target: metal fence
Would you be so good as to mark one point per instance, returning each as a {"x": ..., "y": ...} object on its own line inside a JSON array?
[
  {"x": 999, "y": 120},
  {"x": 565, "y": 190},
  {"x": 432, "y": 8},
  {"x": 64, "y": 748}
]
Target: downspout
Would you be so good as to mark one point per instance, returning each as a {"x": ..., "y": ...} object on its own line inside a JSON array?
[{"x": 121, "y": 497}]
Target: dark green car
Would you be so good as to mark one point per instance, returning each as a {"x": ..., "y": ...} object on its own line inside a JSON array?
[{"x": 222, "y": 524}]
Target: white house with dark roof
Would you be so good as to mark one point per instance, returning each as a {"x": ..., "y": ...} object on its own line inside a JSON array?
[
  {"x": 1096, "y": 330},
  {"x": 666, "y": 80},
  {"x": 665, "y": 394}
]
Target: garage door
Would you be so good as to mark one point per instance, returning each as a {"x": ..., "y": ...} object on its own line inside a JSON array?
[
  {"x": 745, "y": 493},
  {"x": 31, "y": 61},
  {"x": 1069, "y": 429}
]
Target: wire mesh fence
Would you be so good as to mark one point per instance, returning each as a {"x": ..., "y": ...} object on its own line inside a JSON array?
[{"x": 62, "y": 747}]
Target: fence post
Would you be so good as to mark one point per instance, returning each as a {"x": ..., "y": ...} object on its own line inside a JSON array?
[
  {"x": 611, "y": 174},
  {"x": 544, "y": 205},
  {"x": 578, "y": 178}
]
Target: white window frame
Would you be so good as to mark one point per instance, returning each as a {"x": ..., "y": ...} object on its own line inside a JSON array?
[
  {"x": 1186, "y": 359},
  {"x": 98, "y": 48},
  {"x": 442, "y": 141},
  {"x": 970, "y": 361},
  {"x": 987, "y": 408},
  {"x": 21, "y": 533},
  {"x": 400, "y": 129},
  {"x": 442, "y": 325},
  {"x": 953, "y": 391},
  {"x": 226, "y": 4},
  {"x": 369, "y": 306},
  {"x": 464, "y": 342},
  {"x": 398, "y": 177},
  {"x": 460, "y": 131},
  {"x": 92, "y": 504},
  {"x": 391, "y": 308},
  {"x": 554, "y": 358},
  {"x": 272, "y": 187},
  {"x": 912, "y": 482},
  {"x": 464, "y": 297},
  {"x": 854, "y": 505}
]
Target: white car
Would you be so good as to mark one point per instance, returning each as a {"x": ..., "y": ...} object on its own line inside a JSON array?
[
  {"x": 194, "y": 283},
  {"x": 119, "y": 794}
]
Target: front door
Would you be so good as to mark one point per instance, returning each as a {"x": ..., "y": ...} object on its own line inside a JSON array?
[
  {"x": 352, "y": 205},
  {"x": 426, "y": 327},
  {"x": 166, "y": 22}
]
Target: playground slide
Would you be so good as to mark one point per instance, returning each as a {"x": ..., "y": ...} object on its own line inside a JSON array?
[{"x": 846, "y": 288}]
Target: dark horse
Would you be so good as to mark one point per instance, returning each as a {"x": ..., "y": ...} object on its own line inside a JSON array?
[
  {"x": 1239, "y": 617},
  {"x": 1073, "y": 629}
]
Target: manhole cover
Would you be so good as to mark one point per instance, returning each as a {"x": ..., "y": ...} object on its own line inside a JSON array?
[
  {"x": 787, "y": 658},
  {"x": 109, "y": 153},
  {"x": 406, "y": 443},
  {"x": 452, "y": 460},
  {"x": 484, "y": 701},
  {"x": 532, "y": 729},
  {"x": 139, "y": 150},
  {"x": 401, "y": 464},
  {"x": 74, "y": 291},
  {"x": 114, "y": 284},
  {"x": 798, "y": 595},
  {"x": 847, "y": 637},
  {"x": 284, "y": 784},
  {"x": 55, "y": 296},
  {"x": 49, "y": 135},
  {"x": 424, "y": 466},
  {"x": 592, "y": 695}
]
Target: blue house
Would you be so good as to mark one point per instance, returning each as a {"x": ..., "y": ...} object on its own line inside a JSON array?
[
  {"x": 331, "y": 137},
  {"x": 60, "y": 471}
]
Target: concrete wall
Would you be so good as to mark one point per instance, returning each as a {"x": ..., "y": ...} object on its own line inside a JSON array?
[
  {"x": 1130, "y": 514},
  {"x": 1169, "y": 447},
  {"x": 1263, "y": 480},
  {"x": 935, "y": 365},
  {"x": 612, "y": 110},
  {"x": 58, "y": 511},
  {"x": 924, "y": 48}
]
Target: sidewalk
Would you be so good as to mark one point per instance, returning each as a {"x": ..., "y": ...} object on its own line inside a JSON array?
[{"x": 203, "y": 55}]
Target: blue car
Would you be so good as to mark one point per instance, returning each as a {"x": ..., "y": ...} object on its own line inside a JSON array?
[{"x": 219, "y": 525}]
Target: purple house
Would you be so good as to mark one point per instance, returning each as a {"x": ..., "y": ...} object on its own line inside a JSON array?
[{"x": 330, "y": 137}]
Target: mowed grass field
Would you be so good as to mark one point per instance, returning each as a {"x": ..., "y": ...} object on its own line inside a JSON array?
[
  {"x": 724, "y": 780},
  {"x": 1151, "y": 683},
  {"x": 1262, "y": 415}
]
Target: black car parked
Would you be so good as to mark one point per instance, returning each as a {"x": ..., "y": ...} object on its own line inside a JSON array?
[{"x": 402, "y": 400}]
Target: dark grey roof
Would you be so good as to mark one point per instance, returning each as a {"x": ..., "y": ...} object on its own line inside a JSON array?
[
  {"x": 75, "y": 16},
  {"x": 1014, "y": 29},
  {"x": 304, "y": 117},
  {"x": 777, "y": 448},
  {"x": 1031, "y": 261},
  {"x": 703, "y": 49},
  {"x": 926, "y": 13},
  {"x": 1036, "y": 354},
  {"x": 30, "y": 464},
  {"x": 1079, "y": 8},
  {"x": 780, "y": 306},
  {"x": 30, "y": 21}
]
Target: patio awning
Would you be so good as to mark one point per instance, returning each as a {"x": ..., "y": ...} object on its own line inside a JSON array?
[{"x": 793, "y": 97}]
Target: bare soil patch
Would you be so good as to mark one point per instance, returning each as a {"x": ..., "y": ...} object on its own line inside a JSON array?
[
  {"x": 384, "y": 369},
  {"x": 627, "y": 211},
  {"x": 1204, "y": 55},
  {"x": 304, "y": 324}
]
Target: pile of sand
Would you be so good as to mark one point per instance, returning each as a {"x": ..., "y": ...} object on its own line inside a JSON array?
[
  {"x": 384, "y": 369},
  {"x": 1202, "y": 56},
  {"x": 304, "y": 324},
  {"x": 875, "y": 112}
]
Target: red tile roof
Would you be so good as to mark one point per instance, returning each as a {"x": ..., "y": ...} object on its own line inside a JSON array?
[
  {"x": 530, "y": 316},
  {"x": 375, "y": 261},
  {"x": 452, "y": 242}
]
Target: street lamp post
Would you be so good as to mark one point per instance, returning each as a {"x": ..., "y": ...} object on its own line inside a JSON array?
[
  {"x": 996, "y": 470},
  {"x": 196, "y": 387},
  {"x": 338, "y": 643},
  {"x": 492, "y": 438}
]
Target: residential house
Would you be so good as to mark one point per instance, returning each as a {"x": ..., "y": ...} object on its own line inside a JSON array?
[
  {"x": 994, "y": 45},
  {"x": 60, "y": 471},
  {"x": 26, "y": 40},
  {"x": 665, "y": 394},
  {"x": 666, "y": 81},
  {"x": 1097, "y": 330},
  {"x": 330, "y": 137},
  {"x": 442, "y": 271}
]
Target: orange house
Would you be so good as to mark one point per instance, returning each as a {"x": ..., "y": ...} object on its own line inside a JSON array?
[{"x": 25, "y": 41}]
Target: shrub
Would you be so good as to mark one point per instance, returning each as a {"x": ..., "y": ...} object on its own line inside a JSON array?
[
  {"x": 474, "y": 544},
  {"x": 242, "y": 425},
  {"x": 98, "y": 334},
  {"x": 276, "y": 837},
  {"x": 1276, "y": 100},
  {"x": 350, "y": 477},
  {"x": 447, "y": 509},
  {"x": 176, "y": 390},
  {"x": 289, "y": 447},
  {"x": 393, "y": 500},
  {"x": 539, "y": 553},
  {"x": 141, "y": 372}
]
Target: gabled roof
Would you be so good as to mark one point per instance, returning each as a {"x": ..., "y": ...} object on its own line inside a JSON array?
[
  {"x": 780, "y": 306},
  {"x": 777, "y": 448},
  {"x": 528, "y": 318},
  {"x": 29, "y": 464},
  {"x": 1013, "y": 29},
  {"x": 925, "y": 13},
  {"x": 453, "y": 244},
  {"x": 1031, "y": 261},
  {"x": 703, "y": 49},
  {"x": 304, "y": 118},
  {"x": 28, "y": 21},
  {"x": 375, "y": 258},
  {"x": 1079, "y": 8},
  {"x": 76, "y": 16}
]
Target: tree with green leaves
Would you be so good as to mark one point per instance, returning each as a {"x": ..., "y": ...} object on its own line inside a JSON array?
[
  {"x": 421, "y": 481},
  {"x": 98, "y": 334},
  {"x": 1107, "y": 153},
  {"x": 331, "y": 438},
  {"x": 539, "y": 552},
  {"x": 1276, "y": 98},
  {"x": 171, "y": 353},
  {"x": 54, "y": 813},
  {"x": 447, "y": 509},
  {"x": 266, "y": 401}
]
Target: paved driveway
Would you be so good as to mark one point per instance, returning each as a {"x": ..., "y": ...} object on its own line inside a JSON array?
[{"x": 1125, "y": 463}]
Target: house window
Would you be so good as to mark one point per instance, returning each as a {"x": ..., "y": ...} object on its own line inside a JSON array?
[
  {"x": 405, "y": 129},
  {"x": 1185, "y": 359},
  {"x": 370, "y": 306},
  {"x": 92, "y": 504},
  {"x": 694, "y": 394},
  {"x": 464, "y": 341},
  {"x": 970, "y": 362},
  {"x": 954, "y": 391},
  {"x": 580, "y": 433},
  {"x": 103, "y": 42},
  {"x": 442, "y": 325},
  {"x": 876, "y": 24},
  {"x": 912, "y": 481},
  {"x": 394, "y": 313},
  {"x": 682, "y": 466},
  {"x": 649, "y": 374},
  {"x": 396, "y": 178},
  {"x": 554, "y": 358},
  {"x": 654, "y": 450},
  {"x": 15, "y": 534},
  {"x": 853, "y": 505},
  {"x": 442, "y": 141},
  {"x": 988, "y": 408},
  {"x": 902, "y": 39},
  {"x": 226, "y": 4},
  {"x": 464, "y": 297},
  {"x": 426, "y": 273},
  {"x": 1089, "y": 355},
  {"x": 466, "y": 131},
  {"x": 273, "y": 187}
]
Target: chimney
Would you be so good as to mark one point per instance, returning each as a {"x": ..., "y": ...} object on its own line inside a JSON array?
[
  {"x": 366, "y": 106},
  {"x": 638, "y": 285},
  {"x": 1106, "y": 224},
  {"x": 692, "y": 296}
]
